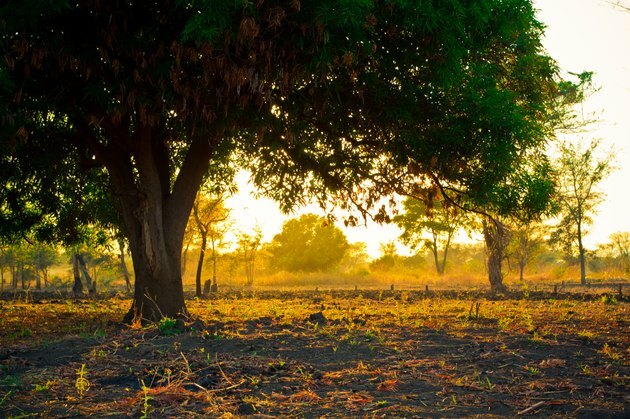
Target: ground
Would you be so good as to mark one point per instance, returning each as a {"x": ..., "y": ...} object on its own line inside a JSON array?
[{"x": 320, "y": 354}]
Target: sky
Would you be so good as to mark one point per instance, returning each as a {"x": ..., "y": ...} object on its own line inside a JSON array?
[{"x": 581, "y": 35}]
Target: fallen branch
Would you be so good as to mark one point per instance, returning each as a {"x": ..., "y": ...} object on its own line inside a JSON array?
[{"x": 532, "y": 407}]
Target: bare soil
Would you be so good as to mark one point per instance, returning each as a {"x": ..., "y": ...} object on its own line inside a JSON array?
[{"x": 320, "y": 354}]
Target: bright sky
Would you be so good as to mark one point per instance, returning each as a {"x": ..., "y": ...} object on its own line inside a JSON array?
[{"x": 581, "y": 35}]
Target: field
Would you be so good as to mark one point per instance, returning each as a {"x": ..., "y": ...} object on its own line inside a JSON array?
[{"x": 327, "y": 353}]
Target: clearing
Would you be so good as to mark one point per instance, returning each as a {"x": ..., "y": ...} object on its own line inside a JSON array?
[{"x": 320, "y": 354}]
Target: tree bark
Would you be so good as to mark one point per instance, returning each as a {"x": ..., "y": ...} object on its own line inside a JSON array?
[{"x": 495, "y": 236}]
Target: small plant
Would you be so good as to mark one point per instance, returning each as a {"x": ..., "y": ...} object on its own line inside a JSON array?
[
  {"x": 41, "y": 388},
  {"x": 167, "y": 326},
  {"x": 533, "y": 370},
  {"x": 609, "y": 299},
  {"x": 585, "y": 369},
  {"x": 610, "y": 352},
  {"x": 82, "y": 384},
  {"x": 146, "y": 401},
  {"x": 504, "y": 323}
]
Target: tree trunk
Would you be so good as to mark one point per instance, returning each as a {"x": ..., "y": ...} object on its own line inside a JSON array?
[
  {"x": 155, "y": 207},
  {"x": 436, "y": 259},
  {"x": 582, "y": 255},
  {"x": 444, "y": 255},
  {"x": 215, "y": 286},
  {"x": 158, "y": 290},
  {"x": 38, "y": 281},
  {"x": 22, "y": 276},
  {"x": 495, "y": 236},
  {"x": 123, "y": 264},
  {"x": 77, "y": 287},
  {"x": 91, "y": 285},
  {"x": 202, "y": 255},
  {"x": 521, "y": 267},
  {"x": 14, "y": 280}
]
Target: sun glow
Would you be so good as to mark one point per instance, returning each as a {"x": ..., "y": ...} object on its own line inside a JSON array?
[{"x": 581, "y": 35}]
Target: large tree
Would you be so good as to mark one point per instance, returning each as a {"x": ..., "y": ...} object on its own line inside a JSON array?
[{"x": 342, "y": 100}]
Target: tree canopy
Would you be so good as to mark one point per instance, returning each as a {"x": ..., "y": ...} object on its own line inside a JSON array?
[
  {"x": 344, "y": 101},
  {"x": 309, "y": 244}
]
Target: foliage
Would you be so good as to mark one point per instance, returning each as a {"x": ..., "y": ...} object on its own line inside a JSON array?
[
  {"x": 526, "y": 242},
  {"x": 344, "y": 101},
  {"x": 309, "y": 244},
  {"x": 167, "y": 326},
  {"x": 579, "y": 170},
  {"x": 248, "y": 246},
  {"x": 440, "y": 220}
]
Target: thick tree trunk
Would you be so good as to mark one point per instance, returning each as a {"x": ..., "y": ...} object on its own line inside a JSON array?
[
  {"x": 77, "y": 287},
  {"x": 155, "y": 206},
  {"x": 521, "y": 267},
  {"x": 495, "y": 236},
  {"x": 38, "y": 281},
  {"x": 202, "y": 255},
  {"x": 158, "y": 282}
]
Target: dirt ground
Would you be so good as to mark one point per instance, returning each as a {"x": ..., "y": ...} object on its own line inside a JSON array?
[{"x": 320, "y": 354}]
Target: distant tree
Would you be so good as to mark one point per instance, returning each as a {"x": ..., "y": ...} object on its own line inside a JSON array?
[
  {"x": 431, "y": 227},
  {"x": 387, "y": 260},
  {"x": 620, "y": 243},
  {"x": 208, "y": 212},
  {"x": 122, "y": 246},
  {"x": 308, "y": 244},
  {"x": 526, "y": 242},
  {"x": 355, "y": 259},
  {"x": 42, "y": 256},
  {"x": 579, "y": 172},
  {"x": 248, "y": 246}
]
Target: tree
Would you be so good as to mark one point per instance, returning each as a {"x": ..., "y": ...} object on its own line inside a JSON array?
[
  {"x": 525, "y": 244},
  {"x": 388, "y": 258},
  {"x": 579, "y": 171},
  {"x": 441, "y": 220},
  {"x": 308, "y": 244},
  {"x": 620, "y": 242},
  {"x": 248, "y": 245},
  {"x": 207, "y": 213},
  {"x": 343, "y": 101},
  {"x": 42, "y": 257}
]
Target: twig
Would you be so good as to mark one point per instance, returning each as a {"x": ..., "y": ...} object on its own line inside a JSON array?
[
  {"x": 214, "y": 390},
  {"x": 532, "y": 407}
]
